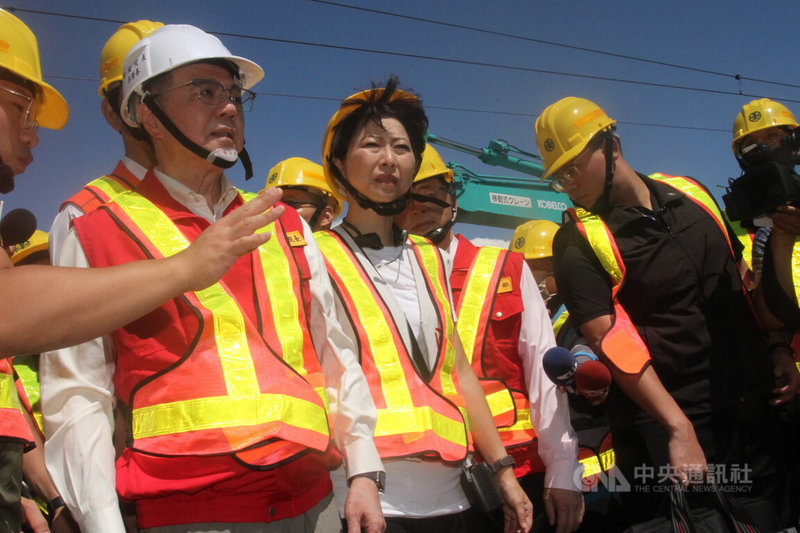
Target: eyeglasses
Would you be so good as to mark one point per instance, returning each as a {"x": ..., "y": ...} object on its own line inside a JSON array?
[
  {"x": 213, "y": 93},
  {"x": 297, "y": 204},
  {"x": 29, "y": 121},
  {"x": 429, "y": 200},
  {"x": 570, "y": 173}
]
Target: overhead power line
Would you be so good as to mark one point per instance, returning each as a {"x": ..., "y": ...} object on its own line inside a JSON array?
[
  {"x": 736, "y": 77},
  {"x": 439, "y": 59},
  {"x": 418, "y": 56}
]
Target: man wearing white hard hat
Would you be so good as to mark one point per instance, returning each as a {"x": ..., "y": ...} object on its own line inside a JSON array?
[
  {"x": 50, "y": 307},
  {"x": 239, "y": 397}
]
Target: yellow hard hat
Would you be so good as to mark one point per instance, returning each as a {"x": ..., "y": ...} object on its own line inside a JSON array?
[
  {"x": 565, "y": 128},
  {"x": 534, "y": 239},
  {"x": 300, "y": 172},
  {"x": 19, "y": 54},
  {"x": 37, "y": 243},
  {"x": 349, "y": 105},
  {"x": 118, "y": 46},
  {"x": 433, "y": 165},
  {"x": 759, "y": 115}
]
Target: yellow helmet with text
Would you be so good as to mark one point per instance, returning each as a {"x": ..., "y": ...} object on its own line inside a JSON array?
[
  {"x": 38, "y": 242},
  {"x": 433, "y": 165},
  {"x": 300, "y": 172},
  {"x": 19, "y": 54},
  {"x": 565, "y": 128},
  {"x": 759, "y": 115},
  {"x": 118, "y": 46},
  {"x": 534, "y": 239}
]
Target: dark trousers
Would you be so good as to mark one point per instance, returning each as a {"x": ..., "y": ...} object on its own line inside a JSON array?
[
  {"x": 741, "y": 444},
  {"x": 10, "y": 485},
  {"x": 468, "y": 521}
]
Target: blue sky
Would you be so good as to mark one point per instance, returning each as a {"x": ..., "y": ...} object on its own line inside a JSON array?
[{"x": 317, "y": 54}]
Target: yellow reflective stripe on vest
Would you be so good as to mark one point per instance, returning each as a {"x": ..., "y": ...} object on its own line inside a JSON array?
[
  {"x": 236, "y": 361},
  {"x": 693, "y": 191},
  {"x": 110, "y": 186},
  {"x": 743, "y": 236},
  {"x": 559, "y": 322},
  {"x": 523, "y": 421},
  {"x": 475, "y": 296},
  {"x": 600, "y": 242},
  {"x": 8, "y": 392},
  {"x": 431, "y": 261},
  {"x": 608, "y": 459},
  {"x": 284, "y": 310},
  {"x": 400, "y": 415},
  {"x": 26, "y": 368}
]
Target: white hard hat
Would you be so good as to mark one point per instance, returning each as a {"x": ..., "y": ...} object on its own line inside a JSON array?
[{"x": 168, "y": 48}]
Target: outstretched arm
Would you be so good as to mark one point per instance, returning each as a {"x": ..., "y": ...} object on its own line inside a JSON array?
[{"x": 49, "y": 307}]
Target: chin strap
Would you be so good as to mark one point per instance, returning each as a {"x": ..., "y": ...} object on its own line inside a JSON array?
[
  {"x": 6, "y": 178},
  {"x": 221, "y": 157},
  {"x": 437, "y": 235},
  {"x": 382, "y": 208},
  {"x": 604, "y": 202}
]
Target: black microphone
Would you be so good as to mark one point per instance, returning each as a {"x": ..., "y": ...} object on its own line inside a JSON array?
[
  {"x": 17, "y": 226},
  {"x": 560, "y": 366}
]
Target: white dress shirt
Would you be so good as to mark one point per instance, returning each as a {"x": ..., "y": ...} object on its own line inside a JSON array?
[
  {"x": 549, "y": 407},
  {"x": 78, "y": 394}
]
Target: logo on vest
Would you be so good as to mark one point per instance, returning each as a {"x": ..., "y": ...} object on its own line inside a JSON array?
[
  {"x": 505, "y": 285},
  {"x": 295, "y": 239}
]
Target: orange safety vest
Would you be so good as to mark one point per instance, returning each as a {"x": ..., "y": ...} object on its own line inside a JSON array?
[
  {"x": 622, "y": 344},
  {"x": 230, "y": 392},
  {"x": 12, "y": 422},
  {"x": 484, "y": 281},
  {"x": 415, "y": 417},
  {"x": 101, "y": 190}
]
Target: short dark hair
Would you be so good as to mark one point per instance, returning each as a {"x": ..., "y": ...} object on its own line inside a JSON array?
[{"x": 376, "y": 106}]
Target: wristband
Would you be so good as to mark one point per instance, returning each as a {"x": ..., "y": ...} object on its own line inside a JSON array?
[
  {"x": 379, "y": 478},
  {"x": 503, "y": 462},
  {"x": 55, "y": 504}
]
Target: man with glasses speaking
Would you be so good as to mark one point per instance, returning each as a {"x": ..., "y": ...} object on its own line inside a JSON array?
[
  {"x": 234, "y": 395},
  {"x": 647, "y": 269}
]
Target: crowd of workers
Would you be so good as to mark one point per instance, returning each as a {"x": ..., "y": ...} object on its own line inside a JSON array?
[{"x": 260, "y": 370}]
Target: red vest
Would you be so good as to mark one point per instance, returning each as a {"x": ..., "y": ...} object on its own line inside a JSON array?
[
  {"x": 498, "y": 353},
  {"x": 99, "y": 191},
  {"x": 173, "y": 357}
]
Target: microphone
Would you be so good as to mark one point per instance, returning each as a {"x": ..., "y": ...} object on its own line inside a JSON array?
[
  {"x": 560, "y": 366},
  {"x": 592, "y": 380},
  {"x": 17, "y": 226}
]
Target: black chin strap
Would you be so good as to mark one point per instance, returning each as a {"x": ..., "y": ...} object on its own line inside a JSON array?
[
  {"x": 195, "y": 148},
  {"x": 6, "y": 178},
  {"x": 604, "y": 202},
  {"x": 382, "y": 208},
  {"x": 437, "y": 235}
]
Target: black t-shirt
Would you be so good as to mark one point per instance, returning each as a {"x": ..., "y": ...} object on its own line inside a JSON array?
[{"x": 683, "y": 293}]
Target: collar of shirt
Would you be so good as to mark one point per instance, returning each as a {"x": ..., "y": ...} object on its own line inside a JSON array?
[
  {"x": 135, "y": 168},
  {"x": 196, "y": 203}
]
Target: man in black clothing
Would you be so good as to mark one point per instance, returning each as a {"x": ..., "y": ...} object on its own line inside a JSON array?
[{"x": 649, "y": 273}]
